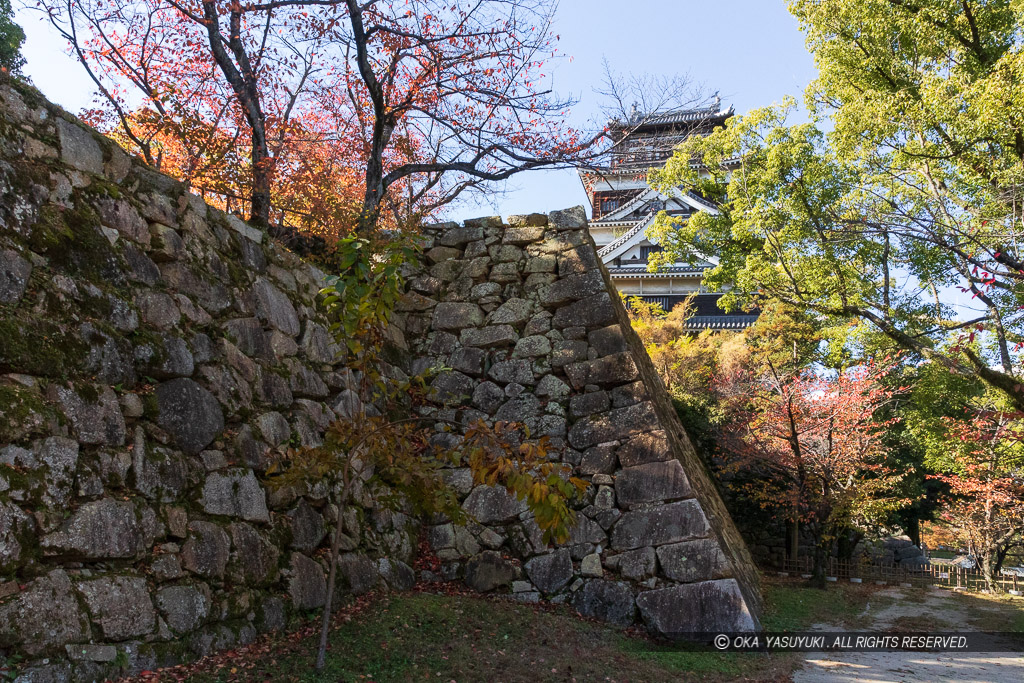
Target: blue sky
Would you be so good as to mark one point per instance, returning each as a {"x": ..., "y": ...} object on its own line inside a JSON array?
[{"x": 749, "y": 50}]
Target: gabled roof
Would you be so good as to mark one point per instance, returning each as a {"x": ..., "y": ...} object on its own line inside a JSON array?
[
  {"x": 639, "y": 271},
  {"x": 640, "y": 171},
  {"x": 627, "y": 208},
  {"x": 688, "y": 115},
  {"x": 641, "y": 120},
  {"x": 631, "y": 237},
  {"x": 700, "y": 203},
  {"x": 694, "y": 201},
  {"x": 637, "y": 233}
]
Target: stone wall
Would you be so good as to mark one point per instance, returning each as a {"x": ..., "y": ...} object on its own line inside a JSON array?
[
  {"x": 153, "y": 353},
  {"x": 531, "y": 329},
  {"x": 768, "y": 538}
]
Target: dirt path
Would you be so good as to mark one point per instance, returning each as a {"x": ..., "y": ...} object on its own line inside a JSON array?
[{"x": 934, "y": 610}]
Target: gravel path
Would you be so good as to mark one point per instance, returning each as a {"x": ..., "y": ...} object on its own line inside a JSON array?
[{"x": 938, "y": 611}]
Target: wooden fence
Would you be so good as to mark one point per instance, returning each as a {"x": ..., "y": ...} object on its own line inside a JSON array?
[{"x": 943, "y": 575}]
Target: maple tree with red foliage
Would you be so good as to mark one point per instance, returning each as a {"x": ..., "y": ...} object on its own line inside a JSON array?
[
  {"x": 985, "y": 505},
  {"x": 811, "y": 448},
  {"x": 331, "y": 111}
]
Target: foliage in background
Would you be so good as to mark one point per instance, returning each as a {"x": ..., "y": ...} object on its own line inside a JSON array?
[
  {"x": 730, "y": 384},
  {"x": 815, "y": 444},
  {"x": 362, "y": 114},
  {"x": 985, "y": 474},
  {"x": 965, "y": 440},
  {"x": 11, "y": 38},
  {"x": 914, "y": 191},
  {"x": 686, "y": 362},
  {"x": 689, "y": 362}
]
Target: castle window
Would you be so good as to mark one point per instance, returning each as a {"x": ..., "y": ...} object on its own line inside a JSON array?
[
  {"x": 647, "y": 251},
  {"x": 609, "y": 205}
]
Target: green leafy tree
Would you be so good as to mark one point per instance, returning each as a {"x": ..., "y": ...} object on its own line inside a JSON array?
[
  {"x": 933, "y": 412},
  {"x": 11, "y": 38},
  {"x": 916, "y": 188},
  {"x": 934, "y": 396}
]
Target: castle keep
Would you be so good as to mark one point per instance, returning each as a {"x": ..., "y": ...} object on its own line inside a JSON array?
[{"x": 624, "y": 207}]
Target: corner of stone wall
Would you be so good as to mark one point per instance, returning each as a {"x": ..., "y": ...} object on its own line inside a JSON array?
[
  {"x": 525, "y": 317},
  {"x": 725, "y": 530}
]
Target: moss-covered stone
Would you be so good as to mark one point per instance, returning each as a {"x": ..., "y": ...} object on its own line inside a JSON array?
[
  {"x": 79, "y": 328},
  {"x": 50, "y": 231},
  {"x": 22, "y": 413},
  {"x": 89, "y": 393},
  {"x": 145, "y": 341},
  {"x": 235, "y": 270},
  {"x": 19, "y": 479},
  {"x": 101, "y": 187},
  {"x": 71, "y": 238},
  {"x": 35, "y": 346},
  {"x": 97, "y": 306}
]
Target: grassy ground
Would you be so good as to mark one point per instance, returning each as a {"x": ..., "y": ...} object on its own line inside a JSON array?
[
  {"x": 426, "y": 636},
  {"x": 792, "y": 606},
  {"x": 990, "y": 612}
]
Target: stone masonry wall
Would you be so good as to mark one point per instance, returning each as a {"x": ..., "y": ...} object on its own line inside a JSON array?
[
  {"x": 532, "y": 330},
  {"x": 153, "y": 352}
]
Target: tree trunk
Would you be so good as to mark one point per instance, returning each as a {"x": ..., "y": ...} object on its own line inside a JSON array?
[
  {"x": 321, "y": 654},
  {"x": 793, "y": 536},
  {"x": 243, "y": 81},
  {"x": 914, "y": 529},
  {"x": 1001, "y": 554},
  {"x": 383, "y": 125},
  {"x": 375, "y": 189},
  {"x": 259, "y": 210},
  {"x": 368, "y": 216},
  {"x": 990, "y": 565},
  {"x": 820, "y": 558},
  {"x": 374, "y": 193}
]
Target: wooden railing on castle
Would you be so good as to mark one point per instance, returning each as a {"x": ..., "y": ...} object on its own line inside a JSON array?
[{"x": 943, "y": 575}]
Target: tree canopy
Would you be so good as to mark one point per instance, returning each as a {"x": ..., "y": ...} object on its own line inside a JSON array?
[
  {"x": 395, "y": 107},
  {"x": 903, "y": 189}
]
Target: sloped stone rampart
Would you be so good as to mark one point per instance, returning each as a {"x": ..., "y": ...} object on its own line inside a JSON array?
[
  {"x": 530, "y": 329},
  {"x": 153, "y": 352}
]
